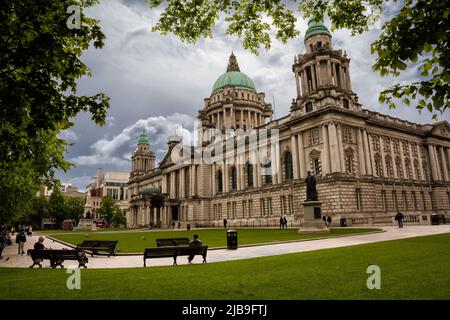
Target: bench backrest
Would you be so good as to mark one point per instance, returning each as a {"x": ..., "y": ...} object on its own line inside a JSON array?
[
  {"x": 50, "y": 253},
  {"x": 172, "y": 242},
  {"x": 160, "y": 252},
  {"x": 98, "y": 243}
]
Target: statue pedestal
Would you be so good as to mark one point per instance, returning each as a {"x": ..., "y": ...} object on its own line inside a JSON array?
[{"x": 312, "y": 219}]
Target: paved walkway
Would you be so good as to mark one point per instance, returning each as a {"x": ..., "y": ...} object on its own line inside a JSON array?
[{"x": 12, "y": 259}]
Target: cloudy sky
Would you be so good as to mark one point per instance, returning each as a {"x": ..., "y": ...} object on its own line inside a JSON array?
[{"x": 158, "y": 83}]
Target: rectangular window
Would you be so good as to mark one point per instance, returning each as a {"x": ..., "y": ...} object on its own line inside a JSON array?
[
  {"x": 269, "y": 206},
  {"x": 405, "y": 202},
  {"x": 244, "y": 206},
  {"x": 291, "y": 204},
  {"x": 394, "y": 200},
  {"x": 309, "y": 107},
  {"x": 109, "y": 192},
  {"x": 384, "y": 200},
  {"x": 115, "y": 194},
  {"x": 416, "y": 207},
  {"x": 285, "y": 206},
  {"x": 262, "y": 207},
  {"x": 433, "y": 207},
  {"x": 228, "y": 209},
  {"x": 358, "y": 199},
  {"x": 424, "y": 201},
  {"x": 250, "y": 208}
]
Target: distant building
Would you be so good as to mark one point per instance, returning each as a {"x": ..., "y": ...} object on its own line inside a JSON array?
[
  {"x": 110, "y": 183},
  {"x": 66, "y": 188}
]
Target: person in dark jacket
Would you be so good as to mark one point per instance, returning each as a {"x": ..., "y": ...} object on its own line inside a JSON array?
[
  {"x": 285, "y": 222},
  {"x": 194, "y": 242},
  {"x": 281, "y": 222},
  {"x": 225, "y": 223},
  {"x": 40, "y": 244},
  {"x": 328, "y": 221},
  {"x": 21, "y": 238},
  {"x": 399, "y": 217},
  {"x": 3, "y": 242}
]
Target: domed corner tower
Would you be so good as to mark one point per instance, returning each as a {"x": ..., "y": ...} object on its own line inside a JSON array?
[
  {"x": 234, "y": 102},
  {"x": 143, "y": 159},
  {"x": 322, "y": 74}
]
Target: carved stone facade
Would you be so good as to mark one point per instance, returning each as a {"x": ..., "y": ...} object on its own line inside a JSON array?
[{"x": 368, "y": 166}]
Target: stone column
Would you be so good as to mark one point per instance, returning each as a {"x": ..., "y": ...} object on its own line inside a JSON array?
[
  {"x": 383, "y": 162},
  {"x": 444, "y": 164},
  {"x": 341, "y": 147},
  {"x": 225, "y": 120},
  {"x": 318, "y": 74},
  {"x": 362, "y": 162},
  {"x": 349, "y": 81},
  {"x": 273, "y": 163},
  {"x": 295, "y": 161},
  {"x": 313, "y": 76},
  {"x": 367, "y": 152},
  {"x": 334, "y": 148},
  {"x": 297, "y": 85},
  {"x": 412, "y": 163},
  {"x": 301, "y": 153},
  {"x": 241, "y": 120},
  {"x": 394, "y": 167},
  {"x": 341, "y": 76},
  {"x": 182, "y": 189},
  {"x": 419, "y": 152},
  {"x": 326, "y": 150},
  {"x": 372, "y": 153},
  {"x": 402, "y": 157},
  {"x": 434, "y": 172},
  {"x": 238, "y": 173},
  {"x": 304, "y": 84}
]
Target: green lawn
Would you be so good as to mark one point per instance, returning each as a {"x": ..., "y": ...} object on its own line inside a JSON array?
[
  {"x": 80, "y": 230},
  {"x": 415, "y": 268},
  {"x": 137, "y": 241}
]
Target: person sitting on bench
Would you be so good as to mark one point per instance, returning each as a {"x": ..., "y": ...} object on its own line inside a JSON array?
[
  {"x": 40, "y": 244},
  {"x": 194, "y": 242}
]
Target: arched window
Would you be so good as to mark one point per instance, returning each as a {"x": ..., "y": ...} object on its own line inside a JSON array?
[
  {"x": 389, "y": 168},
  {"x": 417, "y": 170},
  {"x": 233, "y": 178},
  {"x": 315, "y": 163},
  {"x": 398, "y": 165},
  {"x": 408, "y": 169},
  {"x": 266, "y": 170},
  {"x": 378, "y": 166},
  {"x": 186, "y": 182},
  {"x": 349, "y": 161},
  {"x": 426, "y": 172},
  {"x": 219, "y": 181},
  {"x": 345, "y": 103},
  {"x": 249, "y": 174},
  {"x": 288, "y": 166}
]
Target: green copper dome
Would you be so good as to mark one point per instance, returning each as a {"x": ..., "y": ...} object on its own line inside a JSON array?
[
  {"x": 316, "y": 27},
  {"x": 143, "y": 139},
  {"x": 233, "y": 77}
]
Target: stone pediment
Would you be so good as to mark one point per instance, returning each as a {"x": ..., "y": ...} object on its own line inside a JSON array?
[{"x": 441, "y": 129}]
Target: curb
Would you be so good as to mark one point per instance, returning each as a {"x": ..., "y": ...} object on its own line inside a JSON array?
[{"x": 241, "y": 246}]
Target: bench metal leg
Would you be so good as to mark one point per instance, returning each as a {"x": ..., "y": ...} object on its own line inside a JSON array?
[
  {"x": 175, "y": 260},
  {"x": 144, "y": 263}
]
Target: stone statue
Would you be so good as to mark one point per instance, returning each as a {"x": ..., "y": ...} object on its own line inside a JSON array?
[{"x": 311, "y": 192}]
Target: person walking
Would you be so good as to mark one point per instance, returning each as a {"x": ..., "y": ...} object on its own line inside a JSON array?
[
  {"x": 3, "y": 242},
  {"x": 399, "y": 217},
  {"x": 21, "y": 238},
  {"x": 281, "y": 223},
  {"x": 329, "y": 220},
  {"x": 285, "y": 222},
  {"x": 225, "y": 222},
  {"x": 29, "y": 231}
]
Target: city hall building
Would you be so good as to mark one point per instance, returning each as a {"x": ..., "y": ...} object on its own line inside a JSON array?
[{"x": 367, "y": 165}]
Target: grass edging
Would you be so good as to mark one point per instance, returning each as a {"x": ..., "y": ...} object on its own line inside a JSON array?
[{"x": 241, "y": 246}]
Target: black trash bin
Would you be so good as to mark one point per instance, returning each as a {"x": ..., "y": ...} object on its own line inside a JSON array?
[
  {"x": 232, "y": 240},
  {"x": 188, "y": 226}
]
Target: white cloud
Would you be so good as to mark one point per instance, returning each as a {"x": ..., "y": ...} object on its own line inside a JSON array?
[
  {"x": 68, "y": 135},
  {"x": 117, "y": 150}
]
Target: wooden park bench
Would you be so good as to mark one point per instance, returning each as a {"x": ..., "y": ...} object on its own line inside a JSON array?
[
  {"x": 168, "y": 242},
  {"x": 94, "y": 246},
  {"x": 57, "y": 257},
  {"x": 174, "y": 252}
]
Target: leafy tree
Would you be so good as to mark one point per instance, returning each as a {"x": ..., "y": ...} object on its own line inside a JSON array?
[
  {"x": 118, "y": 219},
  {"x": 39, "y": 210},
  {"x": 417, "y": 36},
  {"x": 106, "y": 210},
  {"x": 57, "y": 205},
  {"x": 74, "y": 208},
  {"x": 39, "y": 68}
]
